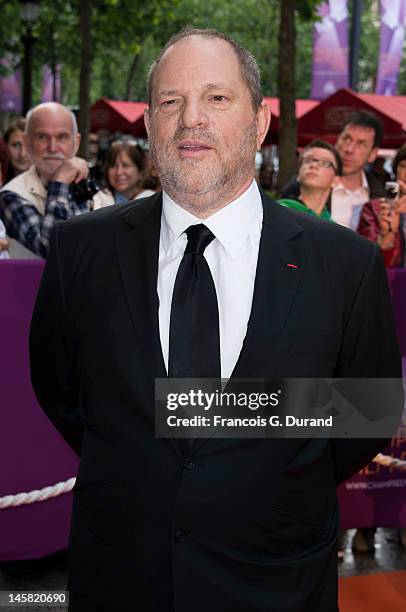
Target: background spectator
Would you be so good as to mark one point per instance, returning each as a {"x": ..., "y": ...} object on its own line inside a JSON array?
[
  {"x": 19, "y": 159},
  {"x": 319, "y": 166},
  {"x": 127, "y": 170},
  {"x": 34, "y": 200},
  {"x": 357, "y": 146},
  {"x": 383, "y": 221}
]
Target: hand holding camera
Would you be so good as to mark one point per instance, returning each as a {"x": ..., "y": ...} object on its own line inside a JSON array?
[
  {"x": 75, "y": 172},
  {"x": 389, "y": 214}
]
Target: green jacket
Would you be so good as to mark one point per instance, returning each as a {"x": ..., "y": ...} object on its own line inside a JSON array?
[{"x": 298, "y": 205}]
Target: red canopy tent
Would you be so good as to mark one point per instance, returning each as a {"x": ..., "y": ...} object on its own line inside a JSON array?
[
  {"x": 326, "y": 119},
  {"x": 302, "y": 107},
  {"x": 117, "y": 116}
]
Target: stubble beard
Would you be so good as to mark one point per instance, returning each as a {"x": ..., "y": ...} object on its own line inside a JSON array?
[{"x": 203, "y": 186}]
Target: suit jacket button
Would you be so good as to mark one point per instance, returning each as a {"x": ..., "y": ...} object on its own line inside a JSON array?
[
  {"x": 180, "y": 537},
  {"x": 189, "y": 465}
]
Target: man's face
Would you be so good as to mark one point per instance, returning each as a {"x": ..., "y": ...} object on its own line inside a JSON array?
[
  {"x": 355, "y": 145},
  {"x": 51, "y": 140},
  {"x": 317, "y": 169},
  {"x": 202, "y": 127}
]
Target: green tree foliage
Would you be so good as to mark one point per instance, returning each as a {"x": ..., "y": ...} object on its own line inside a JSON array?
[{"x": 123, "y": 30}]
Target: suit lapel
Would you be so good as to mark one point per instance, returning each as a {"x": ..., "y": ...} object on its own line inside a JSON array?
[
  {"x": 281, "y": 263},
  {"x": 138, "y": 252}
]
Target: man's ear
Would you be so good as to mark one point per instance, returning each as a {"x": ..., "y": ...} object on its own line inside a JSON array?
[
  {"x": 146, "y": 119},
  {"x": 373, "y": 155},
  {"x": 263, "y": 121},
  {"x": 76, "y": 144}
]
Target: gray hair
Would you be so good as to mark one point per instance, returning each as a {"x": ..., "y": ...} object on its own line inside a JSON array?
[
  {"x": 55, "y": 105},
  {"x": 249, "y": 68}
]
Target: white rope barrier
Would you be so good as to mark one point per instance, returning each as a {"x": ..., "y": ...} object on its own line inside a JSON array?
[
  {"x": 389, "y": 462},
  {"x": 20, "y": 499}
]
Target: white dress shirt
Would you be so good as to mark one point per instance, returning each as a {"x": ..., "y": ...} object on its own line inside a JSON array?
[
  {"x": 232, "y": 258},
  {"x": 347, "y": 204}
]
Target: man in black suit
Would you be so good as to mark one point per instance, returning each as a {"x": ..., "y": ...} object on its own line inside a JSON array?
[{"x": 220, "y": 525}]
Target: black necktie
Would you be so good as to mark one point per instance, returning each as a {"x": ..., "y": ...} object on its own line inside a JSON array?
[{"x": 194, "y": 337}]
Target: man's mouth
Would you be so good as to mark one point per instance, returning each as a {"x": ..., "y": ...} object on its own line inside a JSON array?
[{"x": 189, "y": 148}]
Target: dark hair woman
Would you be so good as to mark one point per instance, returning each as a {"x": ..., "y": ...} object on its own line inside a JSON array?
[{"x": 126, "y": 174}]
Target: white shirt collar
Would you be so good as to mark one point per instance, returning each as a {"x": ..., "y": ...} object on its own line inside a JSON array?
[
  {"x": 231, "y": 224},
  {"x": 364, "y": 185}
]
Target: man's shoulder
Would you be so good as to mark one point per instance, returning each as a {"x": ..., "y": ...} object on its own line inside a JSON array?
[{"x": 20, "y": 181}]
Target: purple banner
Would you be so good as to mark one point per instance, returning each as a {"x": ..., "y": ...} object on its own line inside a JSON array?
[
  {"x": 330, "y": 49},
  {"x": 10, "y": 90},
  {"x": 391, "y": 45},
  {"x": 51, "y": 92}
]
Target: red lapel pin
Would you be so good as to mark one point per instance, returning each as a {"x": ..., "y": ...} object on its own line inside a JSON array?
[{"x": 291, "y": 265}]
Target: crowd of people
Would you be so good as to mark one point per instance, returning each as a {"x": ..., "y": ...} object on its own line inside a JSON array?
[{"x": 43, "y": 180}]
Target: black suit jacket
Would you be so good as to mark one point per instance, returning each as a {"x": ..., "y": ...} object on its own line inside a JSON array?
[{"x": 239, "y": 525}]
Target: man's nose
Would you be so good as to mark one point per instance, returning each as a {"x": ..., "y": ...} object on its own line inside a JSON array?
[
  {"x": 52, "y": 144},
  {"x": 193, "y": 114},
  {"x": 349, "y": 147}
]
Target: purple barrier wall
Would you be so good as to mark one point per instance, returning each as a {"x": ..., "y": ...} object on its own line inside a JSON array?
[
  {"x": 376, "y": 496},
  {"x": 32, "y": 453}
]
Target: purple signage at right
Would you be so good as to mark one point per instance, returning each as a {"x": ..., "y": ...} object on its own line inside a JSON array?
[
  {"x": 330, "y": 50},
  {"x": 391, "y": 44}
]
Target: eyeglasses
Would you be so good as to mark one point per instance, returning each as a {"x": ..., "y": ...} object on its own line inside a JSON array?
[{"x": 321, "y": 163}]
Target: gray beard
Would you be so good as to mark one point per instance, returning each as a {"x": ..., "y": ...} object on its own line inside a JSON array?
[{"x": 216, "y": 184}]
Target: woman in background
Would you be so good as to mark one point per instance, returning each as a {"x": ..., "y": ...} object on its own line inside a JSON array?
[
  {"x": 127, "y": 173},
  {"x": 18, "y": 158},
  {"x": 383, "y": 221}
]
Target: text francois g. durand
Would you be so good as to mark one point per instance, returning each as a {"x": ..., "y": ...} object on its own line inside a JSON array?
[{"x": 253, "y": 401}]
